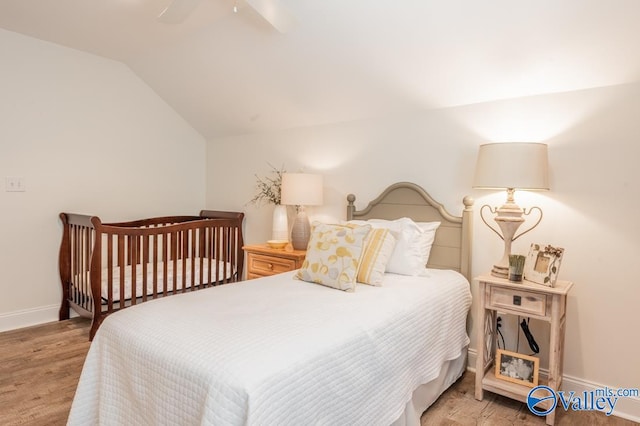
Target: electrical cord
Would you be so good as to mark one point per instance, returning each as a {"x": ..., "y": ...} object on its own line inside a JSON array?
[
  {"x": 518, "y": 338},
  {"x": 532, "y": 342},
  {"x": 498, "y": 326}
]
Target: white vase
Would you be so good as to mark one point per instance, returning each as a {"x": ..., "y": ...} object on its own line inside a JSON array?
[{"x": 280, "y": 225}]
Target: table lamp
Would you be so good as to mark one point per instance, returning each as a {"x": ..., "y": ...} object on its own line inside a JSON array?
[
  {"x": 511, "y": 166},
  {"x": 300, "y": 190}
]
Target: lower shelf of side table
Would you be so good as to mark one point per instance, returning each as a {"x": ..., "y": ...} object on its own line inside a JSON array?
[{"x": 511, "y": 390}]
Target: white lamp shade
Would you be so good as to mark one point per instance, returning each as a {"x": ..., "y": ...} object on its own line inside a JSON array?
[
  {"x": 301, "y": 189},
  {"x": 516, "y": 165}
]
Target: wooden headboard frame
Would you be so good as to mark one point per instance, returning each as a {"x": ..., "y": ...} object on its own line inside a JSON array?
[{"x": 452, "y": 246}]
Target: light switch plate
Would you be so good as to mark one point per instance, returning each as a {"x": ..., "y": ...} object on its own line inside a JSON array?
[{"x": 15, "y": 184}]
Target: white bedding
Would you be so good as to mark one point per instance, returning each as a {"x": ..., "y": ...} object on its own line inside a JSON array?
[{"x": 274, "y": 351}]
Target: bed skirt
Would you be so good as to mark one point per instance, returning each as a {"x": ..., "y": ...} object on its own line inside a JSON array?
[{"x": 425, "y": 395}]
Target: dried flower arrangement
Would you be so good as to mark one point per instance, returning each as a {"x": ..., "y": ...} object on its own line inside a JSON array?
[{"x": 269, "y": 188}]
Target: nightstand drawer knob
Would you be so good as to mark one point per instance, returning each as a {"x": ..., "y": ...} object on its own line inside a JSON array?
[
  {"x": 517, "y": 300},
  {"x": 270, "y": 266}
]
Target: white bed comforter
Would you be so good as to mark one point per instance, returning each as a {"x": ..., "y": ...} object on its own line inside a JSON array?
[{"x": 273, "y": 351}]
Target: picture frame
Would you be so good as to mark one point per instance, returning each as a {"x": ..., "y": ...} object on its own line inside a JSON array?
[
  {"x": 517, "y": 368},
  {"x": 543, "y": 264}
]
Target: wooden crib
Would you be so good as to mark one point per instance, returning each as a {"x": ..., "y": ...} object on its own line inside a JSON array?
[{"x": 105, "y": 267}]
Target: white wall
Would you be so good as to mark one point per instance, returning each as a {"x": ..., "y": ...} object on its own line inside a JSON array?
[
  {"x": 591, "y": 210},
  {"x": 88, "y": 136}
]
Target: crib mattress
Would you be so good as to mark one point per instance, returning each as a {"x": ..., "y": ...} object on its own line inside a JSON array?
[{"x": 187, "y": 274}]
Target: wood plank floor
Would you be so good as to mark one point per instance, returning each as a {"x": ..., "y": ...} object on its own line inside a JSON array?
[
  {"x": 39, "y": 371},
  {"x": 40, "y": 367}
]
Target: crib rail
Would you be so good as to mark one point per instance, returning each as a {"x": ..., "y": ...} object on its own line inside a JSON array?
[
  {"x": 105, "y": 267},
  {"x": 75, "y": 261}
]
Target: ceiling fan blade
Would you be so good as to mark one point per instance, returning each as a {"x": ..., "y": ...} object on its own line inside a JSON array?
[
  {"x": 273, "y": 12},
  {"x": 177, "y": 11}
]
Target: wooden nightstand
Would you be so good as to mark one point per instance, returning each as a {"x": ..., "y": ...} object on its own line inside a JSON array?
[
  {"x": 263, "y": 260},
  {"x": 528, "y": 300}
]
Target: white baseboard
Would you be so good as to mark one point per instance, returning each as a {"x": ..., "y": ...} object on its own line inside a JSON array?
[
  {"x": 471, "y": 359},
  {"x": 626, "y": 408},
  {"x": 28, "y": 317}
]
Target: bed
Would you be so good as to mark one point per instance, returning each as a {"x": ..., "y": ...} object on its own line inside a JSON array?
[
  {"x": 279, "y": 350},
  {"x": 105, "y": 267}
]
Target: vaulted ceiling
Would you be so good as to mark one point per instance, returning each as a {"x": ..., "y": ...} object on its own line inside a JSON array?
[{"x": 231, "y": 73}]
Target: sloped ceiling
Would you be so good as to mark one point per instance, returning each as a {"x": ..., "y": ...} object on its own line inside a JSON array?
[{"x": 231, "y": 73}]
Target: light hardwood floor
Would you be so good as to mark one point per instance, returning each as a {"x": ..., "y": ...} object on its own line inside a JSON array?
[{"x": 40, "y": 367}]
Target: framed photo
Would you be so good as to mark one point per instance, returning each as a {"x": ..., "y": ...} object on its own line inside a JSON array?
[
  {"x": 543, "y": 264},
  {"x": 517, "y": 368}
]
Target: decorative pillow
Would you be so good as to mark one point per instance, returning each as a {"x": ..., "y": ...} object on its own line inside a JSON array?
[
  {"x": 333, "y": 255},
  {"x": 378, "y": 248},
  {"x": 413, "y": 244}
]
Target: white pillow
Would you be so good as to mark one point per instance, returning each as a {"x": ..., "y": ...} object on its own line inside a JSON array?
[
  {"x": 413, "y": 244},
  {"x": 428, "y": 236}
]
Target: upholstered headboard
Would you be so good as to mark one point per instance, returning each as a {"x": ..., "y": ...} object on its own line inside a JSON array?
[{"x": 452, "y": 246}]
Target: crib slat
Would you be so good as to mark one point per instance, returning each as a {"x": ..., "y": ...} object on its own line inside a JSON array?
[
  {"x": 145, "y": 266},
  {"x": 217, "y": 255},
  {"x": 232, "y": 249},
  {"x": 121, "y": 266},
  {"x": 109, "y": 238},
  {"x": 74, "y": 263},
  {"x": 184, "y": 256},
  {"x": 155, "y": 265},
  {"x": 133, "y": 256},
  {"x": 165, "y": 264},
  {"x": 192, "y": 256},
  {"x": 201, "y": 255},
  {"x": 87, "y": 261}
]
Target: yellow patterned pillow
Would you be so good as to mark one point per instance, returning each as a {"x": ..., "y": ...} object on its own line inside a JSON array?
[
  {"x": 333, "y": 255},
  {"x": 377, "y": 252}
]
